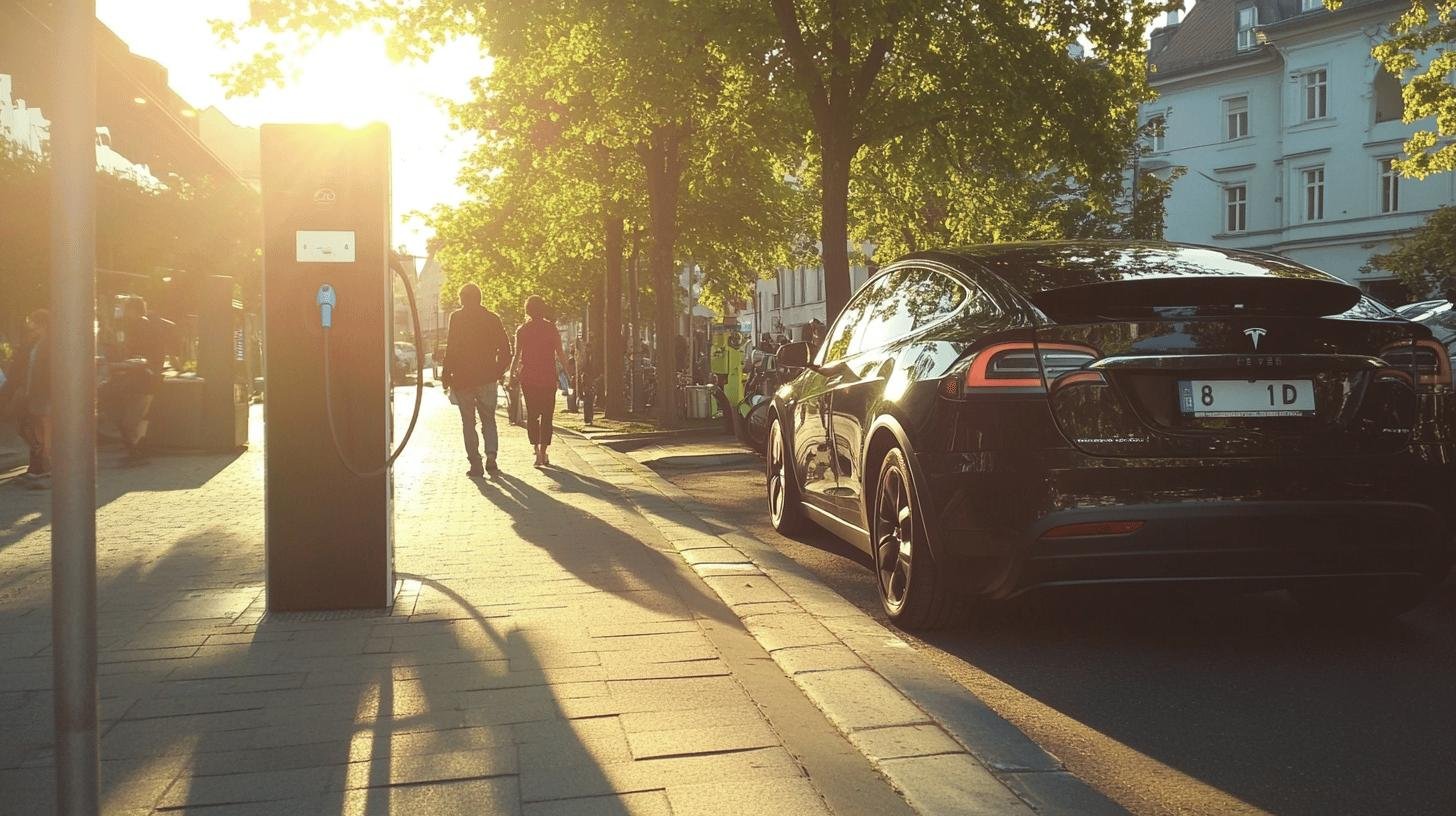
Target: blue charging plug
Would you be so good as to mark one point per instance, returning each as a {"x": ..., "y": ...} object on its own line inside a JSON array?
[{"x": 326, "y": 301}]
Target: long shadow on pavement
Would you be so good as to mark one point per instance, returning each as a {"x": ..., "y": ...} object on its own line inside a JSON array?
[
  {"x": 309, "y": 713},
  {"x": 598, "y": 553}
]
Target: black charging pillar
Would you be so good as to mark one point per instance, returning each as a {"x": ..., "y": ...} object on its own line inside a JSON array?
[{"x": 326, "y": 216}]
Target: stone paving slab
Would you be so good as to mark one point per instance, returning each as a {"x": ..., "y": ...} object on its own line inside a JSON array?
[
  {"x": 547, "y": 653},
  {"x": 944, "y": 749}
]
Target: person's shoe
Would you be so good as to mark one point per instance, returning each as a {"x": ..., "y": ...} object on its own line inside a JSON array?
[
  {"x": 39, "y": 482},
  {"x": 545, "y": 458},
  {"x": 490, "y": 466},
  {"x": 475, "y": 471}
]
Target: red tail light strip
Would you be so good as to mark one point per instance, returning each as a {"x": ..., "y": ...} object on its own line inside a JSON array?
[
  {"x": 1078, "y": 378},
  {"x": 976, "y": 377},
  {"x": 1443, "y": 364}
]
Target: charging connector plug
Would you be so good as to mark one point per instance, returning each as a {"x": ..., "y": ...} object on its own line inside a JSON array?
[{"x": 326, "y": 301}]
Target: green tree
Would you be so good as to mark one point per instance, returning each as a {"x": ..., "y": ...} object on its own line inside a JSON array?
[
  {"x": 672, "y": 84},
  {"x": 1425, "y": 258},
  {"x": 1426, "y": 32},
  {"x": 995, "y": 80}
]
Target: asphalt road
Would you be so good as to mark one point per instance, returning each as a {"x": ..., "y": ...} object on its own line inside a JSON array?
[{"x": 1176, "y": 702}]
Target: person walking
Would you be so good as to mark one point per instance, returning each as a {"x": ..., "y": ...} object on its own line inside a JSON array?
[
  {"x": 29, "y": 394},
  {"x": 477, "y": 355},
  {"x": 538, "y": 350},
  {"x": 141, "y": 341},
  {"x": 586, "y": 385}
]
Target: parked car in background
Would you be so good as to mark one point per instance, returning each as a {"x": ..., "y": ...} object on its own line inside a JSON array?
[
  {"x": 997, "y": 419},
  {"x": 1414, "y": 311}
]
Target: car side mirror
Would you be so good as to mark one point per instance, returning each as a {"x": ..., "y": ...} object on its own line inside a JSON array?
[{"x": 793, "y": 355}]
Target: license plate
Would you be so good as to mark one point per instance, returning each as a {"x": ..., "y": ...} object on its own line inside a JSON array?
[{"x": 1246, "y": 398}]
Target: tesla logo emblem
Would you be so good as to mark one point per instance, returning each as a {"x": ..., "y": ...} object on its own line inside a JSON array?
[
  {"x": 1255, "y": 334},
  {"x": 324, "y": 195}
]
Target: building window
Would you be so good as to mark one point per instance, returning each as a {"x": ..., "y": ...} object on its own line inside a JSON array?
[
  {"x": 1314, "y": 194},
  {"x": 1389, "y": 104},
  {"x": 1236, "y": 207},
  {"x": 1389, "y": 186},
  {"x": 1236, "y": 117},
  {"x": 1248, "y": 19},
  {"x": 1157, "y": 128},
  {"x": 1310, "y": 5},
  {"x": 1316, "y": 86}
]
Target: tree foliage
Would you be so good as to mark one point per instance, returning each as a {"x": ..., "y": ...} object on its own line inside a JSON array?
[
  {"x": 1422, "y": 50},
  {"x": 888, "y": 83},
  {"x": 721, "y": 126},
  {"x": 1425, "y": 258},
  {"x": 595, "y": 116}
]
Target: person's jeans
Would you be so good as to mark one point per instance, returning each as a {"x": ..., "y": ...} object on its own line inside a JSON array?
[
  {"x": 540, "y": 405},
  {"x": 479, "y": 400}
]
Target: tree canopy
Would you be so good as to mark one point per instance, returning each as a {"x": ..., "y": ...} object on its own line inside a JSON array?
[
  {"x": 1425, "y": 258},
  {"x": 716, "y": 129},
  {"x": 1421, "y": 49},
  {"x": 890, "y": 83}
]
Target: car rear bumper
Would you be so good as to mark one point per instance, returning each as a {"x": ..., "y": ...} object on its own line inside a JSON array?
[
  {"x": 1232, "y": 541},
  {"x": 1230, "y": 522}
]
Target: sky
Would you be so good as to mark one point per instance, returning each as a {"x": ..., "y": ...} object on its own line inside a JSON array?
[{"x": 347, "y": 80}]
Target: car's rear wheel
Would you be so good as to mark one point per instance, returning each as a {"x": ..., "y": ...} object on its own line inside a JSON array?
[
  {"x": 913, "y": 590},
  {"x": 785, "y": 510},
  {"x": 1356, "y": 600}
]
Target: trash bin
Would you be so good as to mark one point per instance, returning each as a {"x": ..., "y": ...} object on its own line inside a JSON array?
[{"x": 699, "y": 402}]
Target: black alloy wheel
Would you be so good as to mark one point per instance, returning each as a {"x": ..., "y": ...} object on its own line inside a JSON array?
[
  {"x": 894, "y": 537},
  {"x": 784, "y": 510},
  {"x": 913, "y": 592}
]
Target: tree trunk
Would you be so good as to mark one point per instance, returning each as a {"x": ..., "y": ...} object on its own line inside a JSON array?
[
  {"x": 594, "y": 333},
  {"x": 664, "y": 175},
  {"x": 834, "y": 223},
  {"x": 615, "y": 406},
  {"x": 634, "y": 335}
]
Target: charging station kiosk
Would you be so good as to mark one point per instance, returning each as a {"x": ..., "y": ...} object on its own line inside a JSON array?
[{"x": 328, "y": 528}]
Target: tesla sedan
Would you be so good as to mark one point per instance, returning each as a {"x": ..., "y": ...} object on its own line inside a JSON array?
[{"x": 996, "y": 419}]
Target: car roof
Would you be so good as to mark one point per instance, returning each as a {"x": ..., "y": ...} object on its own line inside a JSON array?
[{"x": 1034, "y": 267}]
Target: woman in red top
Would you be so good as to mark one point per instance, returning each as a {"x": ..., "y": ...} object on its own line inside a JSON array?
[{"x": 538, "y": 349}]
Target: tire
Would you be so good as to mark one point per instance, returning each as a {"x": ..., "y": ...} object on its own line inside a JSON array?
[
  {"x": 785, "y": 508},
  {"x": 1366, "y": 600},
  {"x": 914, "y": 592}
]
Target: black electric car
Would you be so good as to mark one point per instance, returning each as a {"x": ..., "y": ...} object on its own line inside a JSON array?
[{"x": 995, "y": 419}]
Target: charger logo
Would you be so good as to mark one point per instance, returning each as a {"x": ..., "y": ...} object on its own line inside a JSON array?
[
  {"x": 1254, "y": 334},
  {"x": 324, "y": 195}
]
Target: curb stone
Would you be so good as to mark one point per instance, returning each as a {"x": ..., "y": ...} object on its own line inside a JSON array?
[{"x": 936, "y": 742}]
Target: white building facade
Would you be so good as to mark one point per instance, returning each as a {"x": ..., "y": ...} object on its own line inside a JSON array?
[
  {"x": 784, "y": 305},
  {"x": 1286, "y": 128}
]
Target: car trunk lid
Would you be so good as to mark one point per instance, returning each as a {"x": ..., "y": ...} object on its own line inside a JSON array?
[{"x": 1225, "y": 366}]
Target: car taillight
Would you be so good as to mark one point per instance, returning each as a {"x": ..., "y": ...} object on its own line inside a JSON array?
[
  {"x": 1427, "y": 359},
  {"x": 1014, "y": 365}
]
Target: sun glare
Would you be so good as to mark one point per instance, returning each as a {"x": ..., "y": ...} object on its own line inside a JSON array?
[{"x": 346, "y": 79}]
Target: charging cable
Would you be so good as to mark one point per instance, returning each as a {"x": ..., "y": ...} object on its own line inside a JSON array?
[{"x": 327, "y": 300}]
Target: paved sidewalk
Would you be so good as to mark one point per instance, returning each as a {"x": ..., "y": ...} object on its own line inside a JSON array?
[{"x": 548, "y": 653}]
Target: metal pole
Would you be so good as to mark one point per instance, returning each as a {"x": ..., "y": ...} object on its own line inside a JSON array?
[{"x": 73, "y": 408}]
